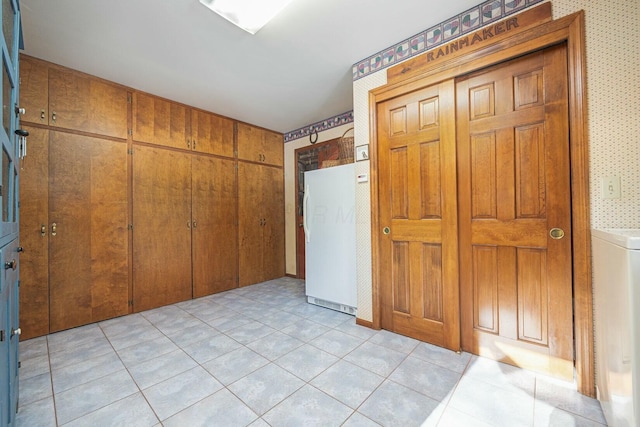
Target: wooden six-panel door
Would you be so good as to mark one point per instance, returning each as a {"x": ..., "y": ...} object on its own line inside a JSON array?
[
  {"x": 418, "y": 248},
  {"x": 514, "y": 198}
]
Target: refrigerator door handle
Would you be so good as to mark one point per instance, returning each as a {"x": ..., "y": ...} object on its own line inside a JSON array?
[{"x": 305, "y": 224}]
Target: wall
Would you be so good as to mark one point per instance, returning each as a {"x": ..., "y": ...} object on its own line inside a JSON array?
[
  {"x": 613, "y": 94},
  {"x": 290, "y": 188}
]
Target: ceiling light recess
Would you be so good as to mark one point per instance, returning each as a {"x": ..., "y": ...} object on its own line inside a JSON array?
[{"x": 250, "y": 15}]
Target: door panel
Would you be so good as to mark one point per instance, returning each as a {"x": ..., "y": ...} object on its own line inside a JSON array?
[
  {"x": 161, "y": 227},
  {"x": 88, "y": 251},
  {"x": 273, "y": 229},
  {"x": 158, "y": 121},
  {"x": 418, "y": 258},
  {"x": 215, "y": 266},
  {"x": 211, "y": 134},
  {"x": 513, "y": 164},
  {"x": 250, "y": 231},
  {"x": 34, "y": 91},
  {"x": 82, "y": 103},
  {"x": 34, "y": 215}
]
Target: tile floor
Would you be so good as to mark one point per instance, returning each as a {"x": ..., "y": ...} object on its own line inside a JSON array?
[{"x": 262, "y": 356}]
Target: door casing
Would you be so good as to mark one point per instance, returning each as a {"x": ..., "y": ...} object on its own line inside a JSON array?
[{"x": 569, "y": 29}]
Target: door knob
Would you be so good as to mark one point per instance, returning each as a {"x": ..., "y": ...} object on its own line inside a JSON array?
[
  {"x": 386, "y": 230},
  {"x": 16, "y": 331},
  {"x": 556, "y": 233},
  {"x": 54, "y": 229}
]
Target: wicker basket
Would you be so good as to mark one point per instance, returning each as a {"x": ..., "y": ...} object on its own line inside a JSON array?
[{"x": 346, "y": 147}]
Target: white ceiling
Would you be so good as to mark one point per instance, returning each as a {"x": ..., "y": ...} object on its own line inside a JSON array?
[{"x": 292, "y": 73}]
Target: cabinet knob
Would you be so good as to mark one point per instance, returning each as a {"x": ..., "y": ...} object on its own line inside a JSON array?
[
  {"x": 43, "y": 230},
  {"x": 53, "y": 117},
  {"x": 19, "y": 249},
  {"x": 195, "y": 224},
  {"x": 42, "y": 115},
  {"x": 20, "y": 110},
  {"x": 11, "y": 265},
  {"x": 54, "y": 229}
]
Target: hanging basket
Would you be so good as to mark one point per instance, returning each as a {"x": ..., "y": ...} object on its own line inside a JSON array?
[{"x": 346, "y": 147}]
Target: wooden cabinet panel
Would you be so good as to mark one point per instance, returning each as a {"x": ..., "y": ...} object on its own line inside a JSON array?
[
  {"x": 82, "y": 103},
  {"x": 211, "y": 134},
  {"x": 215, "y": 245},
  {"x": 273, "y": 228},
  {"x": 261, "y": 223},
  {"x": 158, "y": 121},
  {"x": 161, "y": 227},
  {"x": 88, "y": 242},
  {"x": 34, "y": 91},
  {"x": 249, "y": 224},
  {"x": 260, "y": 145},
  {"x": 34, "y": 215}
]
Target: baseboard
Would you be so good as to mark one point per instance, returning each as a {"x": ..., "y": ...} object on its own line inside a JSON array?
[{"x": 365, "y": 323}]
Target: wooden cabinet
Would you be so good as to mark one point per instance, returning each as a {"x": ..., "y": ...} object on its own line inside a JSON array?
[
  {"x": 178, "y": 189},
  {"x": 261, "y": 223},
  {"x": 214, "y": 234},
  {"x": 211, "y": 134},
  {"x": 260, "y": 145},
  {"x": 74, "y": 233},
  {"x": 34, "y": 224},
  {"x": 184, "y": 226},
  {"x": 70, "y": 100},
  {"x": 34, "y": 90},
  {"x": 158, "y": 121},
  {"x": 161, "y": 227}
]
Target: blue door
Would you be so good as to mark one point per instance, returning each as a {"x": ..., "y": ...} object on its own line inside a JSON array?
[{"x": 12, "y": 148}]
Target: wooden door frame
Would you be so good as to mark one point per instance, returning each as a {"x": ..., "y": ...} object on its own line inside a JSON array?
[{"x": 569, "y": 30}]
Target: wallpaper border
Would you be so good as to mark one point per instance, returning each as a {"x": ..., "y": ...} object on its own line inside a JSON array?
[{"x": 465, "y": 22}]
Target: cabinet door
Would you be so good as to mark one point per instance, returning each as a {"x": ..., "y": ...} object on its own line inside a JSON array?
[
  {"x": 260, "y": 145},
  {"x": 34, "y": 90},
  {"x": 273, "y": 228},
  {"x": 158, "y": 121},
  {"x": 249, "y": 143},
  {"x": 161, "y": 227},
  {"x": 215, "y": 245},
  {"x": 11, "y": 255},
  {"x": 250, "y": 223},
  {"x": 211, "y": 134},
  {"x": 273, "y": 148},
  {"x": 34, "y": 217},
  {"x": 4, "y": 353},
  {"x": 88, "y": 242},
  {"x": 83, "y": 103}
]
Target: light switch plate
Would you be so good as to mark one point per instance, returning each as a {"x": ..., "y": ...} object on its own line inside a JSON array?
[
  {"x": 362, "y": 152},
  {"x": 611, "y": 187}
]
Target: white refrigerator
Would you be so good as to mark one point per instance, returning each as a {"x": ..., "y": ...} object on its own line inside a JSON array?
[{"x": 330, "y": 237}]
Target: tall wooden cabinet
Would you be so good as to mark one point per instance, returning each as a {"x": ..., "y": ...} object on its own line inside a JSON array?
[
  {"x": 131, "y": 201},
  {"x": 261, "y": 223},
  {"x": 75, "y": 231},
  {"x": 161, "y": 227}
]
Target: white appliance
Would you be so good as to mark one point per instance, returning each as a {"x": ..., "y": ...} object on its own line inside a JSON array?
[
  {"x": 330, "y": 237},
  {"x": 616, "y": 275}
]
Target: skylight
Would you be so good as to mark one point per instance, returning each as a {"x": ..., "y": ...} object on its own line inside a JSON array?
[{"x": 250, "y": 15}]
